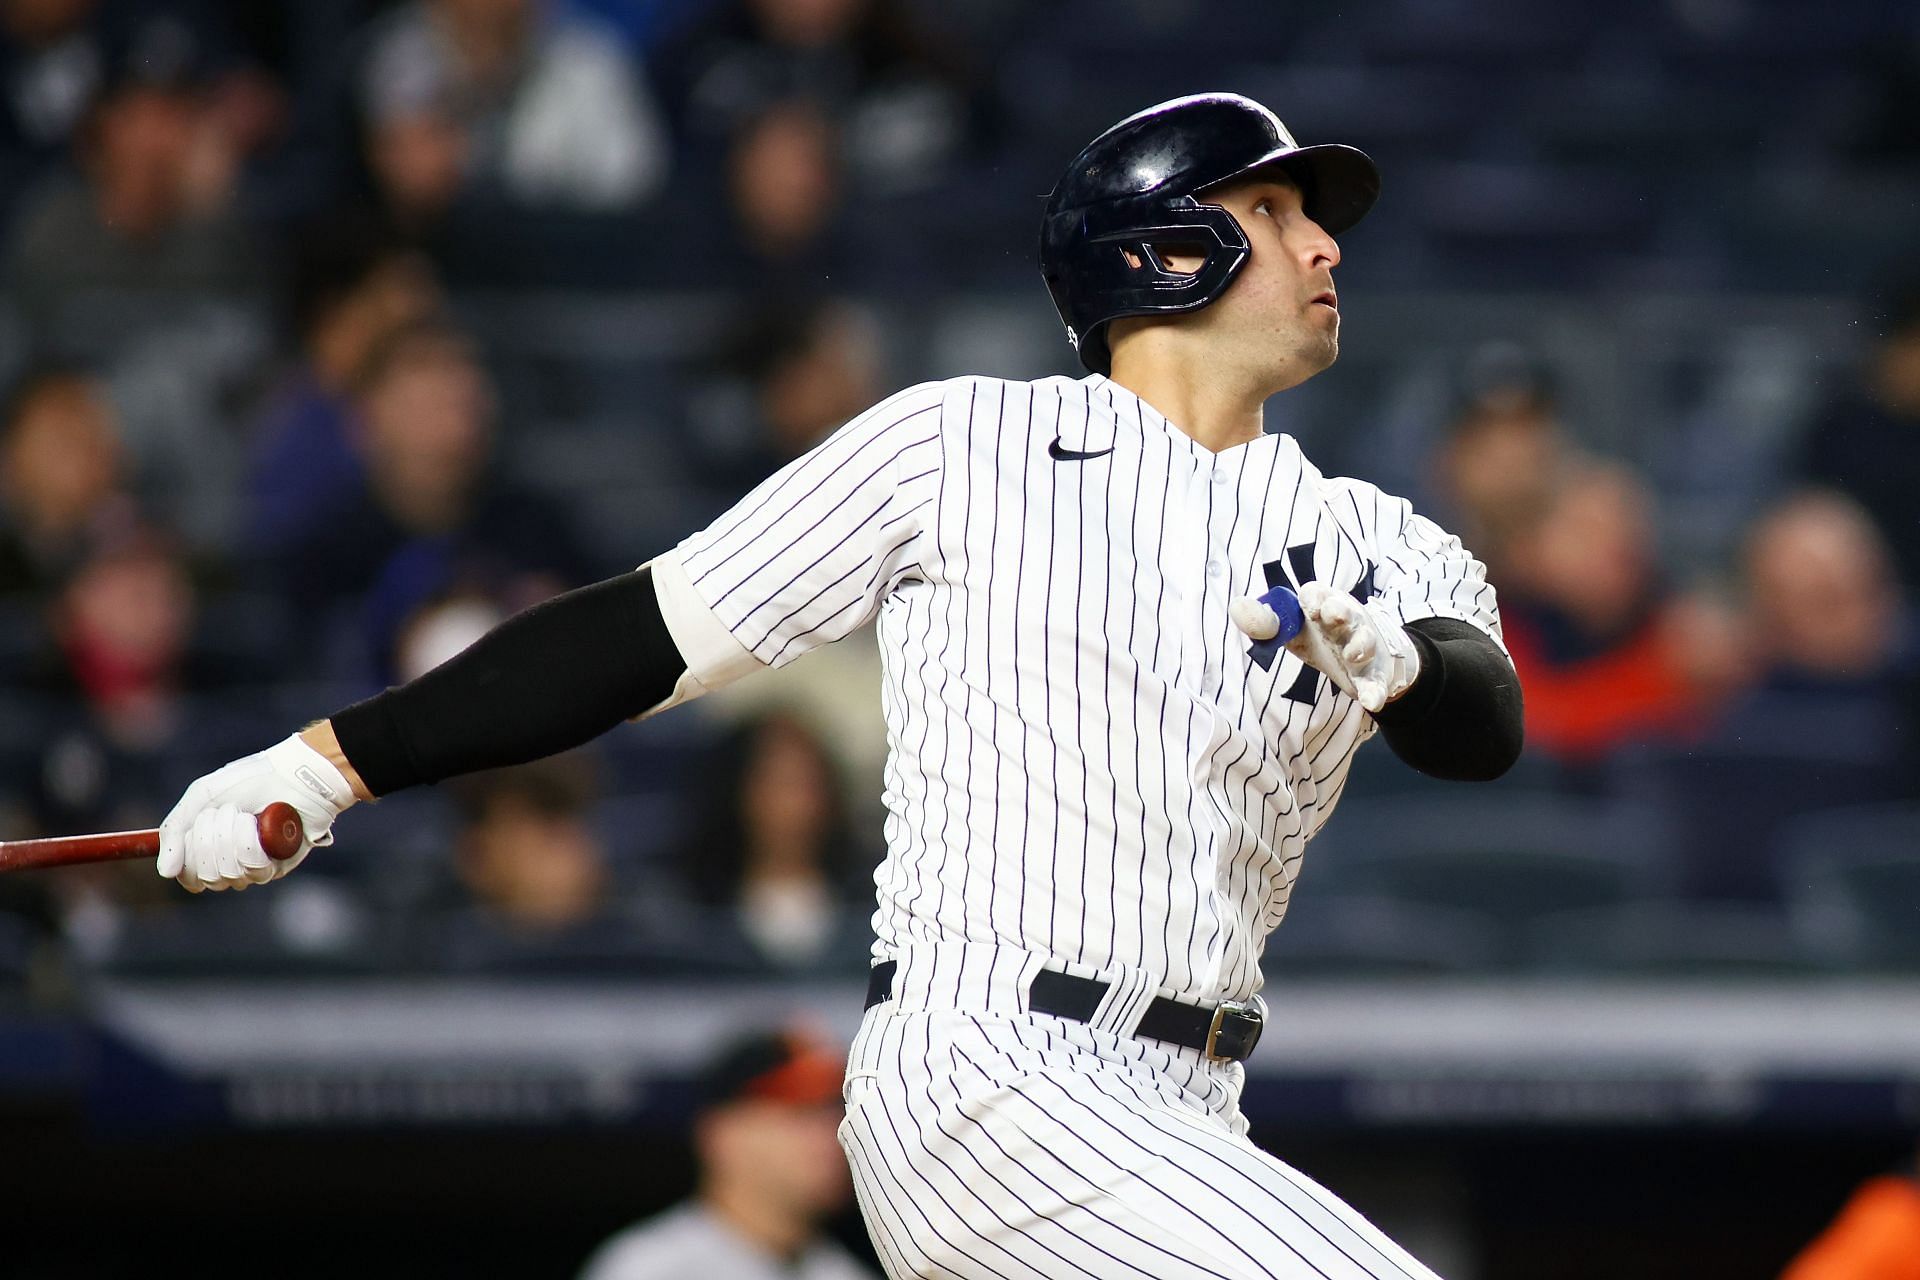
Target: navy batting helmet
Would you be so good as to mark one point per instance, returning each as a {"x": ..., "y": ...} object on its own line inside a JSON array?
[{"x": 1133, "y": 188}]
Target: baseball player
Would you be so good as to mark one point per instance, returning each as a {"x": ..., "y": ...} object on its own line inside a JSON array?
[{"x": 1105, "y": 764}]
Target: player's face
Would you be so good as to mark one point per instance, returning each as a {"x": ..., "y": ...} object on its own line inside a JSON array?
[{"x": 1281, "y": 312}]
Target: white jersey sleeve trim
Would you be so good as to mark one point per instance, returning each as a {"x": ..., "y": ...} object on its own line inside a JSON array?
[{"x": 714, "y": 658}]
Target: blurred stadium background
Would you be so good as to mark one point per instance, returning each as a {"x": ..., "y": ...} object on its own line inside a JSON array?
[{"x": 336, "y": 331}]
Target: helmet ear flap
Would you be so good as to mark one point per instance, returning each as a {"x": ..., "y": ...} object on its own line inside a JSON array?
[
  {"x": 1147, "y": 258},
  {"x": 1105, "y": 262}
]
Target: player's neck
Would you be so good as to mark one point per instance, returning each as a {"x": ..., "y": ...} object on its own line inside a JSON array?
[
  {"x": 1181, "y": 371},
  {"x": 1217, "y": 414}
]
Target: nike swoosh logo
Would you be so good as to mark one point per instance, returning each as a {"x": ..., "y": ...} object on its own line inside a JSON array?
[{"x": 1058, "y": 454}]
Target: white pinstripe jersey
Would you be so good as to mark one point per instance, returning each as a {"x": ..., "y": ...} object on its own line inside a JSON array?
[{"x": 1084, "y": 759}]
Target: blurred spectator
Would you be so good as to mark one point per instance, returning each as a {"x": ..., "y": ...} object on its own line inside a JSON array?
[
  {"x": 441, "y": 628},
  {"x": 428, "y": 517},
  {"x": 783, "y": 189},
  {"x": 790, "y": 372},
  {"x": 60, "y": 481},
  {"x": 123, "y": 624},
  {"x": 1503, "y": 455},
  {"x": 1875, "y": 1237},
  {"x": 898, "y": 98},
  {"x": 1607, "y": 654},
  {"x": 1825, "y": 603},
  {"x": 1868, "y": 442},
  {"x": 1828, "y": 718},
  {"x": 54, "y": 55},
  {"x": 1830, "y": 625},
  {"x": 50, "y": 67},
  {"x": 151, "y": 208},
  {"x": 138, "y": 264},
  {"x": 352, "y": 288},
  {"x": 771, "y": 1171},
  {"x": 530, "y": 101},
  {"x": 526, "y": 856},
  {"x": 129, "y": 686},
  {"x": 774, "y": 856}
]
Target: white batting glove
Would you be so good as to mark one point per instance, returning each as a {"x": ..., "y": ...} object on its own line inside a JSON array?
[
  {"x": 211, "y": 839},
  {"x": 1366, "y": 654}
]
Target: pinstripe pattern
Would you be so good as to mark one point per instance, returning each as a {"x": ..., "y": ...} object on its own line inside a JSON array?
[
  {"x": 1068, "y": 702},
  {"x": 1019, "y": 1148},
  {"x": 1087, "y": 771}
]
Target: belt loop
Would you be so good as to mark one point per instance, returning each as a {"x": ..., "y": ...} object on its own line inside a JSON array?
[
  {"x": 1125, "y": 1001},
  {"x": 880, "y": 982}
]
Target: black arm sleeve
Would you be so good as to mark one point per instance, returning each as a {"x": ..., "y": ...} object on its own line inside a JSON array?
[
  {"x": 544, "y": 680},
  {"x": 1461, "y": 718}
]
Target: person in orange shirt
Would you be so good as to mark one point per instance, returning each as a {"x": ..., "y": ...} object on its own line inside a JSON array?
[
  {"x": 1609, "y": 655},
  {"x": 1876, "y": 1236}
]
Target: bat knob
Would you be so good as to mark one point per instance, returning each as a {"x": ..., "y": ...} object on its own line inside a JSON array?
[
  {"x": 1286, "y": 606},
  {"x": 281, "y": 833}
]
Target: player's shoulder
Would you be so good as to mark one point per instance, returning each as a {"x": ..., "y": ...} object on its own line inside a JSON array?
[
  {"x": 965, "y": 404},
  {"x": 1349, "y": 490},
  {"x": 941, "y": 402},
  {"x": 917, "y": 401},
  {"x": 1351, "y": 487},
  {"x": 969, "y": 392},
  {"x": 1367, "y": 508}
]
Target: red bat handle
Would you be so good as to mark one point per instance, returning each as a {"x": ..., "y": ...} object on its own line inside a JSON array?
[{"x": 280, "y": 836}]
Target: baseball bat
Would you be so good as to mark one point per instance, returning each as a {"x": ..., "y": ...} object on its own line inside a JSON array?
[{"x": 280, "y": 836}]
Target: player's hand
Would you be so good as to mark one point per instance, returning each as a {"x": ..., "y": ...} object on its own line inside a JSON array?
[
  {"x": 211, "y": 841},
  {"x": 1367, "y": 655}
]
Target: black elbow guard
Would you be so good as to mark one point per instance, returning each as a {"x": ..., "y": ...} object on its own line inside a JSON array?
[{"x": 1462, "y": 718}]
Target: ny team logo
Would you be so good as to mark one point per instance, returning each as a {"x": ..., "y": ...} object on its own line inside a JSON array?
[{"x": 1298, "y": 565}]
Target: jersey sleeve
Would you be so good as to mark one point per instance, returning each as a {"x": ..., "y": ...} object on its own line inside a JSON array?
[
  {"x": 1422, "y": 571},
  {"x": 807, "y": 556}
]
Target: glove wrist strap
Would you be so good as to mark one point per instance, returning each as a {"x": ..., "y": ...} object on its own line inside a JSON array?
[{"x": 328, "y": 786}]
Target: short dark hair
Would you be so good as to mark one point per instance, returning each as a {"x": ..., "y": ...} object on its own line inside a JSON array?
[
  {"x": 407, "y": 342},
  {"x": 558, "y": 786},
  {"x": 332, "y": 260},
  {"x": 790, "y": 1066},
  {"x": 769, "y": 335}
]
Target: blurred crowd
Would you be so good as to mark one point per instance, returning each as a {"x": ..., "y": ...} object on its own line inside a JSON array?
[{"x": 293, "y": 413}]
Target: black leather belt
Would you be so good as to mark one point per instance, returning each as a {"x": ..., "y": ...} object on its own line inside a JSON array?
[{"x": 1225, "y": 1032}]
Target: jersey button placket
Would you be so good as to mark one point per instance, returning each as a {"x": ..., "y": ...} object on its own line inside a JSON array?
[
  {"x": 1216, "y": 494},
  {"x": 1188, "y": 547}
]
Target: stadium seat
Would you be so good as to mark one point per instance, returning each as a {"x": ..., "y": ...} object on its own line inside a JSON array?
[
  {"x": 1730, "y": 801},
  {"x": 1509, "y": 859},
  {"x": 397, "y": 850},
  {"x": 1853, "y": 881},
  {"x": 303, "y": 927},
  {"x": 616, "y": 943},
  {"x": 21, "y": 944},
  {"x": 1361, "y": 935},
  {"x": 1648, "y": 938}
]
